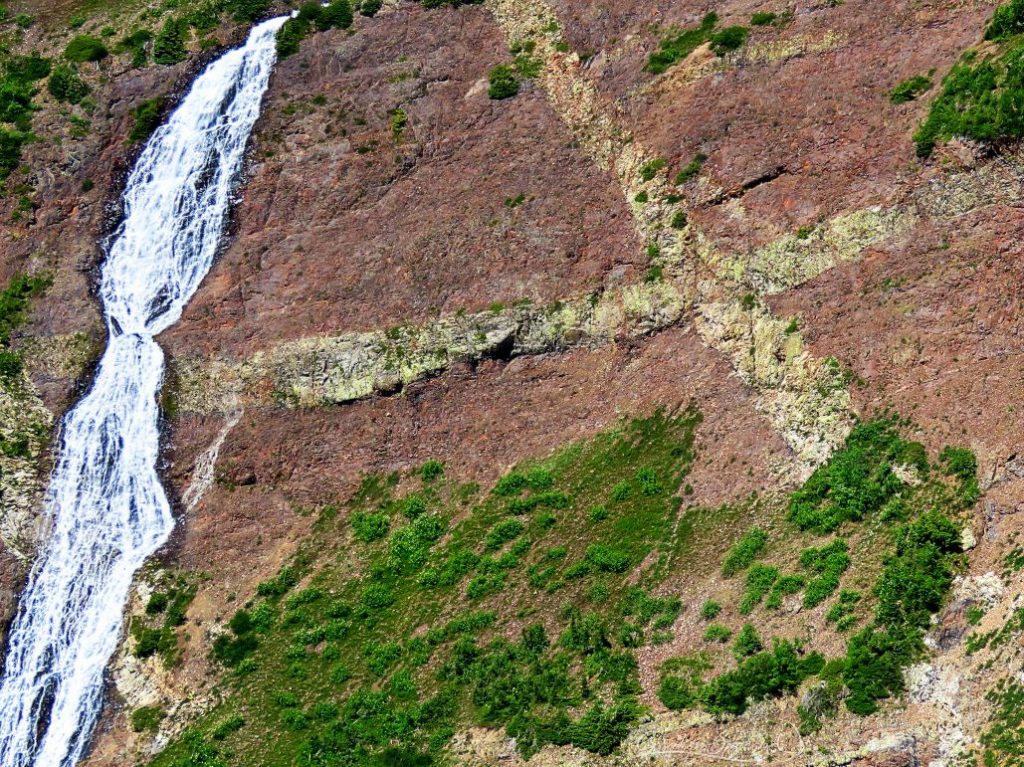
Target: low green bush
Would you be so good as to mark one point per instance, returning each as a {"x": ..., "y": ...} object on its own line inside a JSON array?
[
  {"x": 784, "y": 586},
  {"x": 66, "y": 85},
  {"x": 760, "y": 579},
  {"x": 710, "y": 610},
  {"x": 85, "y": 48},
  {"x": 912, "y": 586},
  {"x": 828, "y": 563},
  {"x": 147, "y": 718},
  {"x": 650, "y": 168},
  {"x": 747, "y": 642},
  {"x": 502, "y": 82},
  {"x": 856, "y": 481},
  {"x": 369, "y": 527},
  {"x": 767, "y": 674},
  {"x": 147, "y": 119},
  {"x": 717, "y": 633},
  {"x": 169, "y": 45},
  {"x": 910, "y": 89},
  {"x": 607, "y": 559},
  {"x": 978, "y": 101},
  {"x": 679, "y": 45},
  {"x": 502, "y": 533},
  {"x": 728, "y": 39},
  {"x": 744, "y": 551},
  {"x": 691, "y": 169},
  {"x": 1007, "y": 21}
]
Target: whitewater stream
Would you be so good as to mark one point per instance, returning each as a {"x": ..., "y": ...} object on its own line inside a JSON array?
[{"x": 106, "y": 508}]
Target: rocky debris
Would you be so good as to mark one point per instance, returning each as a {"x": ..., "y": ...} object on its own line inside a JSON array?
[
  {"x": 318, "y": 371},
  {"x": 25, "y": 424}
]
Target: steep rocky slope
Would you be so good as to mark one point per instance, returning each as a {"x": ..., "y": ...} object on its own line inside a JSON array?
[{"x": 709, "y": 272}]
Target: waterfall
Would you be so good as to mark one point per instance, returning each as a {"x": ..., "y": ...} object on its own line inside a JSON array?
[{"x": 105, "y": 506}]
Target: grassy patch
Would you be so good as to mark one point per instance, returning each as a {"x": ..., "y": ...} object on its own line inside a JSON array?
[
  {"x": 979, "y": 97},
  {"x": 678, "y": 45},
  {"x": 330, "y": 666},
  {"x": 910, "y": 89}
]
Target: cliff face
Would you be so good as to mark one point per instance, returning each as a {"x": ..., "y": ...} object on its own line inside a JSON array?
[{"x": 419, "y": 272}]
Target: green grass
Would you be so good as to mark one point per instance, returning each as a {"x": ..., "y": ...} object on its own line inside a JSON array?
[
  {"x": 374, "y": 648},
  {"x": 502, "y": 82},
  {"x": 728, "y": 39},
  {"x": 678, "y": 45},
  {"x": 414, "y": 644},
  {"x": 744, "y": 551},
  {"x": 691, "y": 169},
  {"x": 910, "y": 89},
  {"x": 979, "y": 96},
  {"x": 14, "y": 303}
]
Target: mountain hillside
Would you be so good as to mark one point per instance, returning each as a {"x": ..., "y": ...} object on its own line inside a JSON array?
[{"x": 606, "y": 383}]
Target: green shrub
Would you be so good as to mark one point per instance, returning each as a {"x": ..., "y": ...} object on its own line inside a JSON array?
[
  {"x": 784, "y": 586},
  {"x": 409, "y": 546},
  {"x": 691, "y": 169},
  {"x": 829, "y": 562},
  {"x": 607, "y": 559},
  {"x": 15, "y": 299},
  {"x": 136, "y": 43},
  {"x": 502, "y": 82},
  {"x": 28, "y": 69},
  {"x": 910, "y": 89},
  {"x": 337, "y": 15},
  {"x": 678, "y": 46},
  {"x": 232, "y": 724},
  {"x": 65, "y": 84},
  {"x": 676, "y": 693},
  {"x": 744, "y": 551},
  {"x": 169, "y": 45},
  {"x": 961, "y": 464},
  {"x": 231, "y": 651},
  {"x": 710, "y": 610},
  {"x": 484, "y": 585},
  {"x": 291, "y": 35},
  {"x": 912, "y": 586},
  {"x": 147, "y": 718},
  {"x": 762, "y": 18},
  {"x": 380, "y": 656},
  {"x": 147, "y": 119},
  {"x": 15, "y": 101},
  {"x": 978, "y": 101},
  {"x": 760, "y": 579},
  {"x": 856, "y": 481},
  {"x": 431, "y": 471},
  {"x": 767, "y": 674},
  {"x": 747, "y": 642},
  {"x": 371, "y": 7},
  {"x": 650, "y": 168},
  {"x": 376, "y": 597},
  {"x": 247, "y": 10},
  {"x": 717, "y": 633},
  {"x": 1007, "y": 21},
  {"x": 502, "y": 533},
  {"x": 728, "y": 39},
  {"x": 369, "y": 527},
  {"x": 458, "y": 563},
  {"x": 678, "y": 220},
  {"x": 10, "y": 151},
  {"x": 85, "y": 48}
]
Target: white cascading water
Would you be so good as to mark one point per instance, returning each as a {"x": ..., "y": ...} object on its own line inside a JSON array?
[{"x": 107, "y": 509}]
